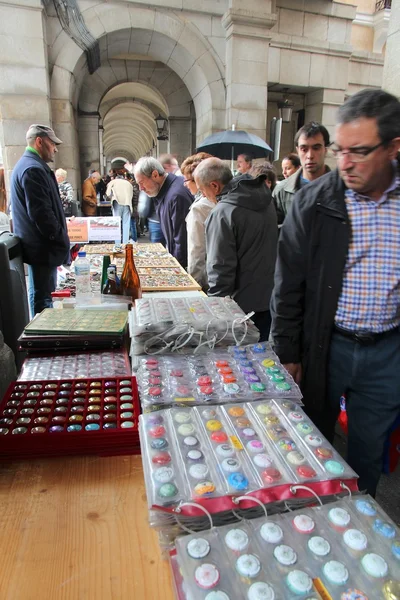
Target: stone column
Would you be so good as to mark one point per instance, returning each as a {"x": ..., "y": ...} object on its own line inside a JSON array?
[
  {"x": 180, "y": 135},
  {"x": 89, "y": 143},
  {"x": 24, "y": 86},
  {"x": 322, "y": 106},
  {"x": 391, "y": 70},
  {"x": 247, "y": 48}
]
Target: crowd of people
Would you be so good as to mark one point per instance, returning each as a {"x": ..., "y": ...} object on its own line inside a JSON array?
[{"x": 316, "y": 254}]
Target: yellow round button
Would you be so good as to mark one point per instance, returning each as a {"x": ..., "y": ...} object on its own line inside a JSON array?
[
  {"x": 268, "y": 362},
  {"x": 213, "y": 425},
  {"x": 236, "y": 411}
]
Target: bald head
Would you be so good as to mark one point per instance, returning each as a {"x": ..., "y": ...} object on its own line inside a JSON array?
[{"x": 211, "y": 176}]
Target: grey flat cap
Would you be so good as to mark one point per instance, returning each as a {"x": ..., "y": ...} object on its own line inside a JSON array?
[{"x": 42, "y": 131}]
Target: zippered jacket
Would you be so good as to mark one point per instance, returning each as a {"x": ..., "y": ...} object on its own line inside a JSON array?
[{"x": 312, "y": 251}]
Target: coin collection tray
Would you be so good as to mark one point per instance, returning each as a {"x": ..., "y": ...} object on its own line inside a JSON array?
[
  {"x": 215, "y": 377},
  {"x": 209, "y": 454},
  {"x": 78, "y": 321},
  {"x": 69, "y": 416},
  {"x": 77, "y": 365},
  {"x": 316, "y": 553}
]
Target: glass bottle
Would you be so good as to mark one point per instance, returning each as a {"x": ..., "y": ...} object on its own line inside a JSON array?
[
  {"x": 112, "y": 284},
  {"x": 130, "y": 282}
]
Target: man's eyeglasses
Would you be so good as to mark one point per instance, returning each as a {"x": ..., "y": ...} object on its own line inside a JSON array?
[
  {"x": 356, "y": 155},
  {"x": 186, "y": 181}
]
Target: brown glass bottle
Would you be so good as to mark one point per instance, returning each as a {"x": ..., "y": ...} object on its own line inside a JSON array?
[{"x": 130, "y": 282}]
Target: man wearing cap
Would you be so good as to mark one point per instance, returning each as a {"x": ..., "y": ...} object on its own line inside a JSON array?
[{"x": 38, "y": 216}]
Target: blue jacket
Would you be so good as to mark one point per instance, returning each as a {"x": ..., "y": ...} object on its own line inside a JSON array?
[
  {"x": 172, "y": 205},
  {"x": 37, "y": 213}
]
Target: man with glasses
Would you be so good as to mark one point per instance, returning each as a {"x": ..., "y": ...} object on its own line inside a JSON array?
[
  {"x": 311, "y": 141},
  {"x": 336, "y": 303}
]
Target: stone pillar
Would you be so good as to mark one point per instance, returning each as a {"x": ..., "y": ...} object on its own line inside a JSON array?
[
  {"x": 247, "y": 48},
  {"x": 89, "y": 143},
  {"x": 162, "y": 147},
  {"x": 67, "y": 156},
  {"x": 24, "y": 86},
  {"x": 180, "y": 135},
  {"x": 391, "y": 70},
  {"x": 322, "y": 106}
]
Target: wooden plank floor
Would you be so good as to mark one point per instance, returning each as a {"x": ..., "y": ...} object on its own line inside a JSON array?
[{"x": 77, "y": 529}]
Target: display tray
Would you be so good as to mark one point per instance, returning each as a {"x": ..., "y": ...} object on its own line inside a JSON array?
[
  {"x": 58, "y": 343},
  {"x": 76, "y": 365},
  {"x": 165, "y": 261},
  {"x": 78, "y": 321},
  {"x": 167, "y": 279},
  {"x": 51, "y": 418},
  {"x": 149, "y": 250}
]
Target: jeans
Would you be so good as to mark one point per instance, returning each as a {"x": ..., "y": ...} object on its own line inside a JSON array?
[
  {"x": 42, "y": 280},
  {"x": 125, "y": 213},
  {"x": 262, "y": 320},
  {"x": 133, "y": 231},
  {"x": 369, "y": 375},
  {"x": 156, "y": 234}
]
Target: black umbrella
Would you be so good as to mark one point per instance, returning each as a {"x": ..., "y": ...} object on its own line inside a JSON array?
[{"x": 227, "y": 145}]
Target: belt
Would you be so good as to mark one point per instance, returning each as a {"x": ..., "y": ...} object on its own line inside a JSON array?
[{"x": 364, "y": 337}]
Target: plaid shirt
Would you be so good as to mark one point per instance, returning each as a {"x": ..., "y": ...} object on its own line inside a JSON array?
[{"x": 370, "y": 297}]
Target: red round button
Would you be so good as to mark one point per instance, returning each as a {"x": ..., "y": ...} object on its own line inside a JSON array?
[
  {"x": 219, "y": 436},
  {"x": 225, "y": 370},
  {"x": 306, "y": 472},
  {"x": 207, "y": 390},
  {"x": 163, "y": 458},
  {"x": 228, "y": 378},
  {"x": 155, "y": 391},
  {"x": 204, "y": 380},
  {"x": 221, "y": 363},
  {"x": 271, "y": 475},
  {"x": 324, "y": 453}
]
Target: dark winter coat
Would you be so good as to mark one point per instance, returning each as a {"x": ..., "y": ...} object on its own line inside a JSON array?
[
  {"x": 172, "y": 205},
  {"x": 241, "y": 237},
  {"x": 312, "y": 252},
  {"x": 37, "y": 212}
]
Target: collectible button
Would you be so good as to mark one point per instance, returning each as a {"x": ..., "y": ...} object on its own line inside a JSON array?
[
  {"x": 236, "y": 411},
  {"x": 191, "y": 440},
  {"x": 48, "y": 394},
  {"x": 182, "y": 417},
  {"x": 271, "y": 475},
  {"x": 285, "y": 555},
  {"x": 110, "y": 399},
  {"x": 374, "y": 565},
  {"x": 304, "y": 428},
  {"x": 63, "y": 401},
  {"x": 237, "y": 539},
  {"x": 30, "y": 395},
  {"x": 154, "y": 419},
  {"x": 35, "y": 386},
  {"x": 93, "y": 408},
  {"x": 299, "y": 582},
  {"x": 10, "y": 412},
  {"x": 230, "y": 465},
  {"x": 198, "y": 548},
  {"x": 314, "y": 440},
  {"x": 336, "y": 572},
  {"x": 303, "y": 524},
  {"x": 248, "y": 432},
  {"x": 319, "y": 545},
  {"x": 81, "y": 385},
  {"x": 271, "y": 420},
  {"x": 384, "y": 529},
  {"x": 339, "y": 517},
  {"x": 355, "y": 539},
  {"x": 168, "y": 490},
  {"x": 95, "y": 384},
  {"x": 41, "y": 420},
  {"x": 267, "y": 363},
  {"x": 4, "y": 430},
  {"x": 273, "y": 370},
  {"x": 286, "y": 444},
  {"x": 126, "y": 406},
  {"x": 264, "y": 409},
  {"x": 110, "y": 407},
  {"x": 243, "y": 362},
  {"x": 109, "y": 417},
  {"x": 354, "y": 594},
  {"x": 163, "y": 474},
  {"x": 214, "y": 425},
  {"x": 225, "y": 370},
  {"x": 155, "y": 391},
  {"x": 109, "y": 426},
  {"x": 75, "y": 418},
  {"x": 324, "y": 453},
  {"x": 45, "y": 411},
  {"x": 15, "y": 403},
  {"x": 155, "y": 380},
  {"x": 207, "y": 576},
  {"x": 74, "y": 427},
  {"x": 231, "y": 388},
  {"x": 162, "y": 458},
  {"x": 252, "y": 379},
  {"x": 365, "y": 508},
  {"x": 219, "y": 436},
  {"x": 198, "y": 471},
  {"x": 38, "y": 429},
  {"x": 224, "y": 450},
  {"x": 159, "y": 444},
  {"x": 204, "y": 488},
  {"x": 23, "y": 421},
  {"x": 194, "y": 455},
  {"x": 209, "y": 413},
  {"x": 126, "y": 415},
  {"x": 276, "y": 377},
  {"x": 30, "y": 402},
  {"x": 125, "y": 390},
  {"x": 56, "y": 429},
  {"x": 126, "y": 397},
  {"x": 260, "y": 591},
  {"x": 229, "y": 379},
  {"x": 77, "y": 409},
  {"x": 74, "y": 401},
  {"x": 238, "y": 481},
  {"x": 93, "y": 417},
  {"x": 92, "y": 427},
  {"x": 255, "y": 446},
  {"x": 127, "y": 424},
  {"x": 206, "y": 390},
  {"x": 396, "y": 549},
  {"x": 248, "y": 370},
  {"x": 248, "y": 565},
  {"x": 262, "y": 460},
  {"x": 283, "y": 387},
  {"x": 59, "y": 410},
  {"x": 156, "y": 431},
  {"x": 221, "y": 363},
  {"x": 204, "y": 380},
  {"x": 306, "y": 472},
  {"x": 183, "y": 391},
  {"x": 334, "y": 467},
  {"x": 239, "y": 351},
  {"x": 27, "y": 411},
  {"x": 242, "y": 422},
  {"x": 391, "y": 590},
  {"x": 66, "y": 386},
  {"x": 6, "y": 421},
  {"x": 58, "y": 419},
  {"x": 271, "y": 533},
  {"x": 296, "y": 458},
  {"x": 186, "y": 429},
  {"x": 295, "y": 416},
  {"x": 257, "y": 387}
]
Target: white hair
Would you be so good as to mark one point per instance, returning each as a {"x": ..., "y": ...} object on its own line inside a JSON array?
[
  {"x": 61, "y": 173},
  {"x": 146, "y": 165}
]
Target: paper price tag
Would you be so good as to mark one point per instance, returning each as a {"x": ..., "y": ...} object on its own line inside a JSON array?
[
  {"x": 321, "y": 589},
  {"x": 176, "y": 399},
  {"x": 237, "y": 444}
]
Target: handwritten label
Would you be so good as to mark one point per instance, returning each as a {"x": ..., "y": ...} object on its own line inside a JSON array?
[{"x": 237, "y": 444}]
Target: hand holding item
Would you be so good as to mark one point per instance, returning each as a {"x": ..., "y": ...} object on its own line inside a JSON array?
[{"x": 295, "y": 370}]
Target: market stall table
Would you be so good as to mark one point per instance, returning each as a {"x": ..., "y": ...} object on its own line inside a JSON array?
[{"x": 76, "y": 528}]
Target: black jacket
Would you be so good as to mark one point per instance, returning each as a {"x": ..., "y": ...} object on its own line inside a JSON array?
[
  {"x": 241, "y": 237},
  {"x": 312, "y": 252},
  {"x": 37, "y": 212},
  {"x": 172, "y": 205}
]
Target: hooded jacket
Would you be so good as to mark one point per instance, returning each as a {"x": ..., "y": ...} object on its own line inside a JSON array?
[
  {"x": 241, "y": 239},
  {"x": 38, "y": 216}
]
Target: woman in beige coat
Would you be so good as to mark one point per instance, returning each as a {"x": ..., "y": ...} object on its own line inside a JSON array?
[{"x": 195, "y": 221}]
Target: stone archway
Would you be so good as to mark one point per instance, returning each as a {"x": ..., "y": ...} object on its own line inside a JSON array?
[{"x": 152, "y": 34}]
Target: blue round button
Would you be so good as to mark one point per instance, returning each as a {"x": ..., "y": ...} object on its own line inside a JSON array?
[
  {"x": 92, "y": 427},
  {"x": 238, "y": 481}
]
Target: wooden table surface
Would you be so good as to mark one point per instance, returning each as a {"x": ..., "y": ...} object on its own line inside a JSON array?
[{"x": 77, "y": 529}]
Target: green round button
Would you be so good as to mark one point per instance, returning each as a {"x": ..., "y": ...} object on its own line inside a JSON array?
[
  {"x": 334, "y": 467},
  {"x": 168, "y": 490},
  {"x": 283, "y": 387},
  {"x": 257, "y": 387},
  {"x": 278, "y": 377},
  {"x": 272, "y": 370}
]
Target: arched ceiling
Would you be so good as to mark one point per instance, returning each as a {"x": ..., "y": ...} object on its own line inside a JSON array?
[{"x": 129, "y": 127}]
